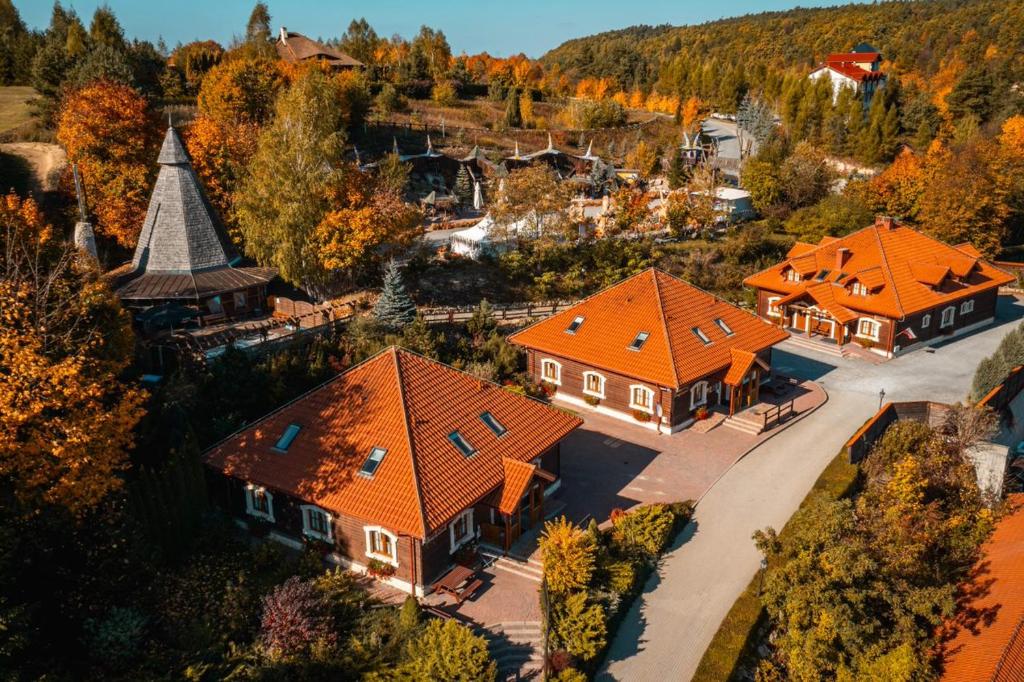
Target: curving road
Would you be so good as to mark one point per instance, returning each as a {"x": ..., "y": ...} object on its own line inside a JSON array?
[{"x": 671, "y": 624}]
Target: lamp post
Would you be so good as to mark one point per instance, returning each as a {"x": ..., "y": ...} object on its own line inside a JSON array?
[
  {"x": 881, "y": 397},
  {"x": 764, "y": 567}
]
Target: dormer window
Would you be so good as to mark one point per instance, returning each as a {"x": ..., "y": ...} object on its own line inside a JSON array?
[
  {"x": 576, "y": 322},
  {"x": 285, "y": 441},
  {"x": 639, "y": 341},
  {"x": 726, "y": 329},
  {"x": 373, "y": 461},
  {"x": 699, "y": 333},
  {"x": 792, "y": 275},
  {"x": 859, "y": 289},
  {"x": 461, "y": 444},
  {"x": 491, "y": 422},
  {"x": 822, "y": 276}
]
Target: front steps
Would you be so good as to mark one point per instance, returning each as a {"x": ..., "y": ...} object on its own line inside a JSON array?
[{"x": 819, "y": 346}]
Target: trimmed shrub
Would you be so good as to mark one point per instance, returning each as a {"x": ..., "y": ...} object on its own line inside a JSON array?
[
  {"x": 647, "y": 529},
  {"x": 295, "y": 618}
]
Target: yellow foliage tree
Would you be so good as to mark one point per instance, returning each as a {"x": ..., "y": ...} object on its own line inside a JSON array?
[
  {"x": 66, "y": 422},
  {"x": 568, "y": 554},
  {"x": 107, "y": 130}
]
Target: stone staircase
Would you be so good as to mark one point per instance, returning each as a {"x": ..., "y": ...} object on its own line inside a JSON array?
[
  {"x": 745, "y": 422},
  {"x": 524, "y": 567},
  {"x": 517, "y": 648},
  {"x": 818, "y": 346}
]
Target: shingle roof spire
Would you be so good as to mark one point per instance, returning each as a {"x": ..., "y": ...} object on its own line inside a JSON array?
[{"x": 172, "y": 152}]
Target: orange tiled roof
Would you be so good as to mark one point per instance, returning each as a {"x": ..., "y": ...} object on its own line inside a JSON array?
[
  {"x": 668, "y": 309},
  {"x": 742, "y": 361},
  {"x": 985, "y": 640},
  {"x": 931, "y": 274},
  {"x": 408, "y": 405},
  {"x": 890, "y": 260},
  {"x": 517, "y": 479}
]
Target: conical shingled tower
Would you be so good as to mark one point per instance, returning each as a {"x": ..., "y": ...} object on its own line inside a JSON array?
[{"x": 182, "y": 253}]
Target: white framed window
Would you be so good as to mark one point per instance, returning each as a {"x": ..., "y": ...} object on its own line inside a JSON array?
[
  {"x": 773, "y": 309},
  {"x": 551, "y": 371},
  {"x": 259, "y": 502},
  {"x": 461, "y": 530},
  {"x": 967, "y": 307},
  {"x": 698, "y": 394},
  {"x": 926, "y": 321},
  {"x": 868, "y": 328},
  {"x": 381, "y": 544},
  {"x": 948, "y": 317},
  {"x": 792, "y": 275},
  {"x": 593, "y": 384},
  {"x": 316, "y": 523},
  {"x": 859, "y": 289},
  {"x": 641, "y": 398}
]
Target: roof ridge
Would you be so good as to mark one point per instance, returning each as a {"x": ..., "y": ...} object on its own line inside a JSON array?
[
  {"x": 407, "y": 418},
  {"x": 885, "y": 263},
  {"x": 664, "y": 326}
]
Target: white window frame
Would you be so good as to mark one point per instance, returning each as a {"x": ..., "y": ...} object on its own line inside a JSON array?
[
  {"x": 926, "y": 321},
  {"x": 793, "y": 276},
  {"x": 312, "y": 532},
  {"x": 858, "y": 289},
  {"x": 967, "y": 306},
  {"x": 369, "y": 530},
  {"x": 250, "y": 502},
  {"x": 943, "y": 323},
  {"x": 649, "y": 409},
  {"x": 702, "y": 388},
  {"x": 453, "y": 542},
  {"x": 875, "y": 324},
  {"x": 773, "y": 311},
  {"x": 548, "y": 362},
  {"x": 601, "y": 379}
]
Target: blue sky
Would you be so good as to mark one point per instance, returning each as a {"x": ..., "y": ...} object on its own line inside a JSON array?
[{"x": 501, "y": 28}]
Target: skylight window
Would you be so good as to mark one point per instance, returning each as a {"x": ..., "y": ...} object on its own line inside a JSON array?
[
  {"x": 496, "y": 427},
  {"x": 724, "y": 327},
  {"x": 577, "y": 321},
  {"x": 461, "y": 444},
  {"x": 699, "y": 333},
  {"x": 822, "y": 275},
  {"x": 285, "y": 441},
  {"x": 639, "y": 341},
  {"x": 373, "y": 461}
]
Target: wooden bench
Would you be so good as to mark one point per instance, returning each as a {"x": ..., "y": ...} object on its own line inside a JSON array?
[
  {"x": 437, "y": 613},
  {"x": 467, "y": 591}
]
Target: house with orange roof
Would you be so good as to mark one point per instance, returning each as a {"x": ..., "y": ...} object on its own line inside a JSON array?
[
  {"x": 859, "y": 70},
  {"x": 394, "y": 465},
  {"x": 653, "y": 350},
  {"x": 985, "y": 640},
  {"x": 886, "y": 287}
]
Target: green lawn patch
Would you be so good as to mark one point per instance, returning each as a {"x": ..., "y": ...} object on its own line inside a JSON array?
[
  {"x": 14, "y": 108},
  {"x": 734, "y": 645}
]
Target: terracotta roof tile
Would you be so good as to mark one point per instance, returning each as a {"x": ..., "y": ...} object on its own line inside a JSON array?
[
  {"x": 517, "y": 479},
  {"x": 408, "y": 405},
  {"x": 742, "y": 361},
  {"x": 931, "y": 274},
  {"x": 984, "y": 641},
  {"x": 669, "y": 310},
  {"x": 891, "y": 254},
  {"x": 800, "y": 248}
]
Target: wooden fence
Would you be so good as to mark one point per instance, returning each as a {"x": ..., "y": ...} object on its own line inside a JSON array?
[
  {"x": 509, "y": 312},
  {"x": 1000, "y": 397},
  {"x": 925, "y": 411}
]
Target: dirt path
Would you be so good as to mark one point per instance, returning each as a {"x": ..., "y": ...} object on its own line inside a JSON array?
[{"x": 46, "y": 161}]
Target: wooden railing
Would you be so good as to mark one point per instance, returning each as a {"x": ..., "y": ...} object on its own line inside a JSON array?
[
  {"x": 501, "y": 312},
  {"x": 775, "y": 414}
]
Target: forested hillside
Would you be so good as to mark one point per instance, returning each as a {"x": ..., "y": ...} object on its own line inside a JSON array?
[{"x": 970, "y": 48}]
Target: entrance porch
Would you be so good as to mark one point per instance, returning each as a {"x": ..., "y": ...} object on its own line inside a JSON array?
[{"x": 517, "y": 506}]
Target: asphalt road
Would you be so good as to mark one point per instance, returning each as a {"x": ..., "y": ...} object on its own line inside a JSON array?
[{"x": 671, "y": 624}]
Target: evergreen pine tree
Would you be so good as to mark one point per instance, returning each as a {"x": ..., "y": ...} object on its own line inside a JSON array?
[
  {"x": 890, "y": 134},
  {"x": 676, "y": 175},
  {"x": 513, "y": 117},
  {"x": 463, "y": 187},
  {"x": 395, "y": 308}
]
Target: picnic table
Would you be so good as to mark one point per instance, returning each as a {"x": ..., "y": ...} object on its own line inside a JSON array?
[{"x": 460, "y": 583}]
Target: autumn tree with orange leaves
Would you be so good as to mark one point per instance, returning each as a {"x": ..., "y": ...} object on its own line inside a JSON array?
[
  {"x": 66, "y": 422},
  {"x": 107, "y": 129}
]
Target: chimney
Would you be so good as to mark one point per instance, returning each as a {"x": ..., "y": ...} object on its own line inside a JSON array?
[
  {"x": 842, "y": 255},
  {"x": 885, "y": 222}
]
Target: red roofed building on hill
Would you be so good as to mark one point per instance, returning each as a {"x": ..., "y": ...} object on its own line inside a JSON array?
[
  {"x": 395, "y": 463},
  {"x": 652, "y": 349},
  {"x": 985, "y": 641},
  {"x": 887, "y": 287},
  {"x": 858, "y": 70}
]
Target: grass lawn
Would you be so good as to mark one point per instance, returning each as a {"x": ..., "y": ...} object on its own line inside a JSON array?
[
  {"x": 14, "y": 108},
  {"x": 734, "y": 645}
]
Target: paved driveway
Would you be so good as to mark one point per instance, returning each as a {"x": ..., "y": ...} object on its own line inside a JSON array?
[{"x": 668, "y": 628}]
